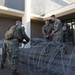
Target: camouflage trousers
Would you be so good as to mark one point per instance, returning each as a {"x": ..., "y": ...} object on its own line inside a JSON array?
[
  {"x": 57, "y": 38},
  {"x": 4, "y": 53},
  {"x": 11, "y": 51}
]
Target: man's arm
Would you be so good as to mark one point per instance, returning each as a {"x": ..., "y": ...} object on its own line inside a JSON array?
[
  {"x": 24, "y": 35},
  {"x": 43, "y": 31},
  {"x": 57, "y": 26}
]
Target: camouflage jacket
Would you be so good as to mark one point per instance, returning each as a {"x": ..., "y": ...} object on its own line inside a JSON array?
[
  {"x": 46, "y": 30},
  {"x": 22, "y": 30},
  {"x": 58, "y": 27}
]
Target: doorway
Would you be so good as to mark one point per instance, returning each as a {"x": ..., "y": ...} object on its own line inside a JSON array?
[{"x": 69, "y": 32}]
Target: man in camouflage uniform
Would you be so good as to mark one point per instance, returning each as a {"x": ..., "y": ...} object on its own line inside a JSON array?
[
  {"x": 57, "y": 31},
  {"x": 4, "y": 55},
  {"x": 46, "y": 30},
  {"x": 11, "y": 50}
]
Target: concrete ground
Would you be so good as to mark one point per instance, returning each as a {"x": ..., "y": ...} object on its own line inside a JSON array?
[{"x": 23, "y": 70}]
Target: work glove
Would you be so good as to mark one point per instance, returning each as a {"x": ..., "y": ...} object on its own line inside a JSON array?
[{"x": 24, "y": 42}]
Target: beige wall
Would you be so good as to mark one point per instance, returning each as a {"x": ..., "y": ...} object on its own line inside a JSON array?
[
  {"x": 42, "y": 7},
  {"x": 36, "y": 29},
  {"x": 15, "y": 4},
  {"x": 5, "y": 23}
]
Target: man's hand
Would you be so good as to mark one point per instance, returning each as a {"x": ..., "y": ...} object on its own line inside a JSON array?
[{"x": 52, "y": 32}]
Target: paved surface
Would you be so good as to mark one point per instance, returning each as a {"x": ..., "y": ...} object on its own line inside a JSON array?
[{"x": 23, "y": 70}]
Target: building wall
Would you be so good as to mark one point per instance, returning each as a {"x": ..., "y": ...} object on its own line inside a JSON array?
[
  {"x": 52, "y": 5},
  {"x": 37, "y": 7},
  {"x": 15, "y": 4},
  {"x": 5, "y": 23},
  {"x": 46, "y": 6},
  {"x": 36, "y": 29}
]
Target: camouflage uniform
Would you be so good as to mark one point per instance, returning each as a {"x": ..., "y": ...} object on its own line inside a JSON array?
[
  {"x": 11, "y": 50},
  {"x": 57, "y": 36},
  {"x": 4, "y": 52},
  {"x": 46, "y": 30}
]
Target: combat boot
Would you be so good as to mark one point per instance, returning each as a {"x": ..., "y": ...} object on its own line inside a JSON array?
[{"x": 1, "y": 66}]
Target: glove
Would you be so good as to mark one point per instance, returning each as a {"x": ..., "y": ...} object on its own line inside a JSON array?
[
  {"x": 27, "y": 39},
  {"x": 24, "y": 42}
]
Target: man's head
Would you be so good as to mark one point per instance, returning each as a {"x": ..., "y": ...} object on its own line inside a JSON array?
[
  {"x": 18, "y": 22},
  {"x": 46, "y": 22},
  {"x": 53, "y": 17}
]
